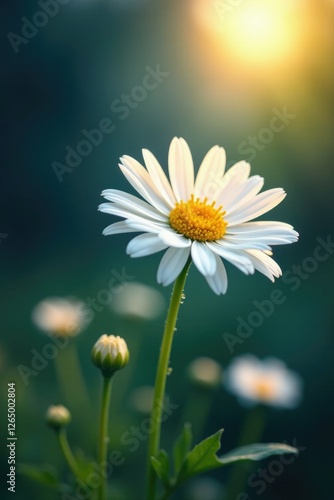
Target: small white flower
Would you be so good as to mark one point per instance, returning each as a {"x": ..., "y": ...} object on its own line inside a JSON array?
[
  {"x": 204, "y": 372},
  {"x": 138, "y": 301},
  {"x": 59, "y": 316},
  {"x": 268, "y": 382},
  {"x": 203, "y": 219},
  {"x": 57, "y": 416},
  {"x": 141, "y": 399}
]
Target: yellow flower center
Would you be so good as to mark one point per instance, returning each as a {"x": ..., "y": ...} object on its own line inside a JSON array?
[
  {"x": 265, "y": 389},
  {"x": 197, "y": 220}
]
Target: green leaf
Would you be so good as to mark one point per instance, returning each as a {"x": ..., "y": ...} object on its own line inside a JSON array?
[
  {"x": 256, "y": 451},
  {"x": 201, "y": 458},
  {"x": 182, "y": 447},
  {"x": 43, "y": 474},
  {"x": 161, "y": 466},
  {"x": 84, "y": 463}
]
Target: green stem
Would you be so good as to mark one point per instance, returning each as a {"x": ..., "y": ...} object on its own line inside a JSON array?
[
  {"x": 103, "y": 435},
  {"x": 67, "y": 452},
  {"x": 70, "y": 377},
  {"x": 196, "y": 409},
  {"x": 161, "y": 376},
  {"x": 166, "y": 494},
  {"x": 133, "y": 332},
  {"x": 252, "y": 429},
  {"x": 251, "y": 432}
]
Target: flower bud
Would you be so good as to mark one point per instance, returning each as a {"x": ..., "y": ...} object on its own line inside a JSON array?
[
  {"x": 57, "y": 416},
  {"x": 205, "y": 372},
  {"x": 110, "y": 354}
]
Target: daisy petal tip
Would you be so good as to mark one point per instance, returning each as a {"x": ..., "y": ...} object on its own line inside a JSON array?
[
  {"x": 161, "y": 281},
  {"x": 104, "y": 193}
]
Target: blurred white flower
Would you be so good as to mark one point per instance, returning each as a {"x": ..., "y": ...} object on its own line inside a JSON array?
[
  {"x": 60, "y": 316},
  {"x": 268, "y": 382},
  {"x": 141, "y": 399},
  {"x": 204, "y": 372},
  {"x": 57, "y": 416},
  {"x": 138, "y": 301}
]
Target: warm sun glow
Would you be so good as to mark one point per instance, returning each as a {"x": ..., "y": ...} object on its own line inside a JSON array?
[
  {"x": 255, "y": 32},
  {"x": 259, "y": 32}
]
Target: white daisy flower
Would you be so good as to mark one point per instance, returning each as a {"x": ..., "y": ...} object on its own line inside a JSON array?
[
  {"x": 203, "y": 219},
  {"x": 268, "y": 382},
  {"x": 138, "y": 301},
  {"x": 60, "y": 316}
]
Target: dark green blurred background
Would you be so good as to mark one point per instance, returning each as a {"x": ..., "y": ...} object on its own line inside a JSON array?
[{"x": 65, "y": 79}]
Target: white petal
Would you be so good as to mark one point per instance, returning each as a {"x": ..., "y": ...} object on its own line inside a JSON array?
[
  {"x": 264, "y": 229},
  {"x": 181, "y": 169},
  {"x": 241, "y": 170},
  {"x": 261, "y": 225},
  {"x": 239, "y": 259},
  {"x": 264, "y": 264},
  {"x": 261, "y": 242},
  {"x": 138, "y": 213},
  {"x": 173, "y": 239},
  {"x": 203, "y": 258},
  {"x": 144, "y": 244},
  {"x": 239, "y": 243},
  {"x": 240, "y": 194},
  {"x": 172, "y": 264},
  {"x": 132, "y": 203},
  {"x": 235, "y": 176},
  {"x": 218, "y": 281},
  {"x": 159, "y": 177},
  {"x": 210, "y": 174},
  {"x": 259, "y": 205},
  {"x": 117, "y": 228},
  {"x": 146, "y": 226},
  {"x": 140, "y": 179}
]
